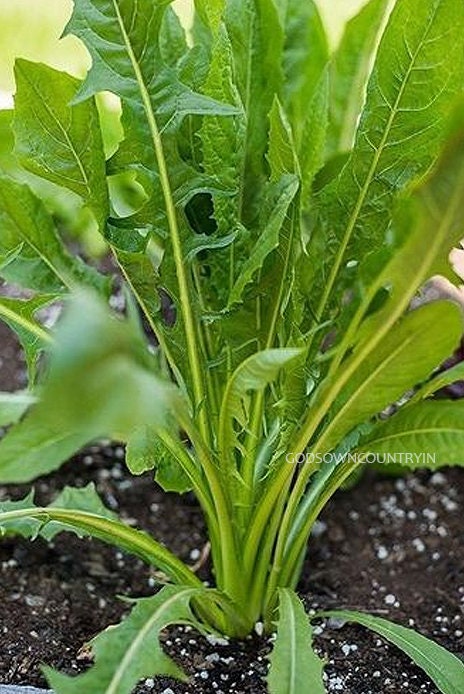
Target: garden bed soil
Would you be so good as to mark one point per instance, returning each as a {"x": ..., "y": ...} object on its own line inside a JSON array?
[{"x": 389, "y": 546}]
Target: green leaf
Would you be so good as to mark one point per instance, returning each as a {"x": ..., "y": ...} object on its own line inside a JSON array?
[
  {"x": 173, "y": 44},
  {"x": 441, "y": 380},
  {"x": 223, "y": 139},
  {"x": 14, "y": 405},
  {"x": 81, "y": 511},
  {"x": 101, "y": 382},
  {"x": 132, "y": 650},
  {"x": 315, "y": 135},
  {"x": 280, "y": 197},
  {"x": 406, "y": 356},
  {"x": 78, "y": 499},
  {"x": 147, "y": 451},
  {"x": 306, "y": 53},
  {"x": 402, "y": 127},
  {"x": 443, "y": 668},
  {"x": 19, "y": 315},
  {"x": 294, "y": 667},
  {"x": 253, "y": 375},
  {"x": 41, "y": 262},
  {"x": 427, "y": 435},
  {"x": 56, "y": 141},
  {"x": 349, "y": 71},
  {"x": 257, "y": 38}
]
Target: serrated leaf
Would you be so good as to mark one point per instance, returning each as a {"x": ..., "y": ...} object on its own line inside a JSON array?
[
  {"x": 41, "y": 263},
  {"x": 443, "y": 668},
  {"x": 294, "y": 667},
  {"x": 78, "y": 499},
  {"x": 257, "y": 40},
  {"x": 402, "y": 127},
  {"x": 56, "y": 141},
  {"x": 132, "y": 650},
  {"x": 280, "y": 197}
]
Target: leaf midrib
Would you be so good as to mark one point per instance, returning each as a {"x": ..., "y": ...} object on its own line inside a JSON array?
[
  {"x": 370, "y": 176},
  {"x": 363, "y": 386},
  {"x": 416, "y": 431},
  {"x": 135, "y": 645},
  {"x": 64, "y": 132}
]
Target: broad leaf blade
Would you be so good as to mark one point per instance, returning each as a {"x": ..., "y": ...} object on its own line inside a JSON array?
[
  {"x": 427, "y": 435},
  {"x": 295, "y": 668},
  {"x": 443, "y": 668},
  {"x": 402, "y": 127},
  {"x": 14, "y": 405},
  {"x": 56, "y": 141},
  {"x": 406, "y": 357}
]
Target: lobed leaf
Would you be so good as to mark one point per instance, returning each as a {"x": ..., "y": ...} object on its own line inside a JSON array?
[
  {"x": 403, "y": 125},
  {"x": 57, "y": 141},
  {"x": 81, "y": 512},
  {"x": 132, "y": 650},
  {"x": 35, "y": 256}
]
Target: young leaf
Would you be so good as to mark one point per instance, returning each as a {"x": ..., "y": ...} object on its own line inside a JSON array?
[
  {"x": 443, "y": 668},
  {"x": 427, "y": 435},
  {"x": 349, "y": 71},
  {"x": 56, "y": 141},
  {"x": 132, "y": 650},
  {"x": 254, "y": 374},
  {"x": 294, "y": 667},
  {"x": 280, "y": 197}
]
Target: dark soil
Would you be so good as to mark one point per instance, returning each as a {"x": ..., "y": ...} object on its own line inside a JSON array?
[{"x": 389, "y": 546}]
